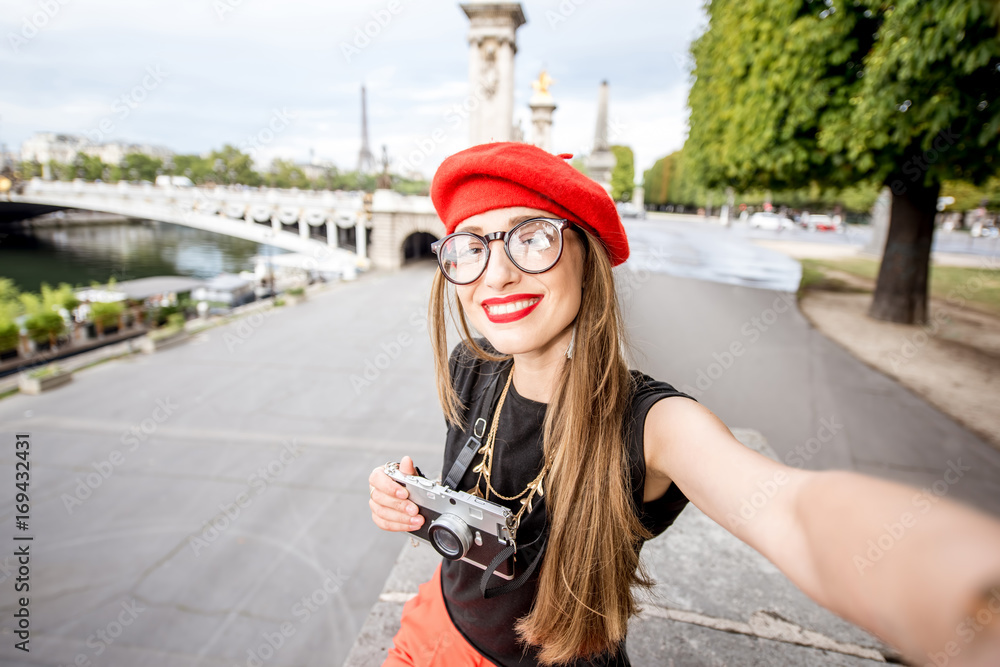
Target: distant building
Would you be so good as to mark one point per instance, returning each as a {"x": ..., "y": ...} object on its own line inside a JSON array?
[
  {"x": 114, "y": 152},
  {"x": 43, "y": 147},
  {"x": 316, "y": 169},
  {"x": 46, "y": 146}
]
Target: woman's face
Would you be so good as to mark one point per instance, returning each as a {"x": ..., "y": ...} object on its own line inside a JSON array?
[{"x": 523, "y": 312}]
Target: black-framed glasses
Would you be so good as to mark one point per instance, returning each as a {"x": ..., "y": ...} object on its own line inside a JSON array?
[{"x": 533, "y": 246}]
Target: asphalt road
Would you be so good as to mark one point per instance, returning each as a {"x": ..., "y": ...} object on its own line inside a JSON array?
[{"x": 214, "y": 496}]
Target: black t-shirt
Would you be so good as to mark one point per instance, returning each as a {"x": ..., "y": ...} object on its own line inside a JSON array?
[{"x": 517, "y": 459}]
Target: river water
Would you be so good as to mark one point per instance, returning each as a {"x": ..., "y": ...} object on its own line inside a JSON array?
[{"x": 83, "y": 252}]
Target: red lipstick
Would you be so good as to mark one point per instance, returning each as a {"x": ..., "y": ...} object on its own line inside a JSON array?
[{"x": 510, "y": 308}]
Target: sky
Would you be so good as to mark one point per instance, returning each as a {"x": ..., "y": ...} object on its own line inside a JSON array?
[{"x": 284, "y": 78}]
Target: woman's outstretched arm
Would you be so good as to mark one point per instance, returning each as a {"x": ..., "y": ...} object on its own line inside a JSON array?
[{"x": 909, "y": 565}]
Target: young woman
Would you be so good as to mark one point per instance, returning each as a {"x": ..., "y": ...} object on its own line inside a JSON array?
[{"x": 594, "y": 459}]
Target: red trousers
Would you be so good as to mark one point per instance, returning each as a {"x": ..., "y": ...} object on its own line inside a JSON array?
[{"x": 427, "y": 637}]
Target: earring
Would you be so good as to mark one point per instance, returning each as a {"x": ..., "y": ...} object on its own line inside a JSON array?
[{"x": 572, "y": 339}]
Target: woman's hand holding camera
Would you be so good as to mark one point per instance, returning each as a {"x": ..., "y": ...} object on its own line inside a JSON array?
[{"x": 391, "y": 508}]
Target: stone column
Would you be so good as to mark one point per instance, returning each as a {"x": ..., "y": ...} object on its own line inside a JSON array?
[
  {"x": 542, "y": 106},
  {"x": 492, "y": 45},
  {"x": 601, "y": 160},
  {"x": 361, "y": 238}
]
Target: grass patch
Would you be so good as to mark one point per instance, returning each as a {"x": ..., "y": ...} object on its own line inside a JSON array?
[
  {"x": 815, "y": 277},
  {"x": 979, "y": 287}
]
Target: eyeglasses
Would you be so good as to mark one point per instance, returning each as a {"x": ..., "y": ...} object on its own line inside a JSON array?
[{"x": 533, "y": 246}]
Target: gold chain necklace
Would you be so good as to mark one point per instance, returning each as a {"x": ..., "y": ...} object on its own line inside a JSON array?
[{"x": 485, "y": 466}]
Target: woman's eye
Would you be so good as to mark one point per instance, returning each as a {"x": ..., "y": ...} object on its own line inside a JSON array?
[
  {"x": 470, "y": 251},
  {"x": 538, "y": 240}
]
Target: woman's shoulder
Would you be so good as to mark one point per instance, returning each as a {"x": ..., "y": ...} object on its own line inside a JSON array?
[
  {"x": 646, "y": 391},
  {"x": 468, "y": 370}
]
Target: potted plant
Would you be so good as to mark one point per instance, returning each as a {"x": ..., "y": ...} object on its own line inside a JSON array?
[
  {"x": 105, "y": 316},
  {"x": 172, "y": 333},
  {"x": 10, "y": 335},
  {"x": 45, "y": 328},
  {"x": 43, "y": 379}
]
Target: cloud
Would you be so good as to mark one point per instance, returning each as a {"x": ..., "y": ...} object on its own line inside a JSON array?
[{"x": 229, "y": 68}]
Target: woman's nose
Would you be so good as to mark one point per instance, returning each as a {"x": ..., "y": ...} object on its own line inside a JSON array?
[{"x": 500, "y": 271}]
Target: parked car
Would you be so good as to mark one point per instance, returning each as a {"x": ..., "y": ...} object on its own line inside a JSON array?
[
  {"x": 822, "y": 222},
  {"x": 772, "y": 221},
  {"x": 629, "y": 210}
]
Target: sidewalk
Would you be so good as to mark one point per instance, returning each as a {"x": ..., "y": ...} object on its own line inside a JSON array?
[
  {"x": 716, "y": 602},
  {"x": 952, "y": 361}
]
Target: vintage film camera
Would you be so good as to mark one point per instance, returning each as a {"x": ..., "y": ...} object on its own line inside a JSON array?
[{"x": 458, "y": 525}]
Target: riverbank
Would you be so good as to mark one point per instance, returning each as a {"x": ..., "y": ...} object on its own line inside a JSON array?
[{"x": 63, "y": 218}]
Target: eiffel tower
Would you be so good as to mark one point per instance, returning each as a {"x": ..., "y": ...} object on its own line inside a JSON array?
[{"x": 366, "y": 161}]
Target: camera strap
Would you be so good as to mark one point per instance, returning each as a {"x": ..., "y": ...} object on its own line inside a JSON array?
[
  {"x": 516, "y": 582},
  {"x": 478, "y": 430},
  {"x": 457, "y": 471}
]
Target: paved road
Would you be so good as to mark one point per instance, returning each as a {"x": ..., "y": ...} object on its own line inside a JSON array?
[
  {"x": 259, "y": 417},
  {"x": 854, "y": 235},
  {"x": 237, "y": 497}
]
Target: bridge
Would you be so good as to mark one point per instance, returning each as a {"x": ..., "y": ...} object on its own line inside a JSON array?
[{"x": 392, "y": 230}]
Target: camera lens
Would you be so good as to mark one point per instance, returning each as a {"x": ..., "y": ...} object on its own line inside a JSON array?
[{"x": 450, "y": 536}]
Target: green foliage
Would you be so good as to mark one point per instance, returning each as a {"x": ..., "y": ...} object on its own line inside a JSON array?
[
  {"x": 9, "y": 335},
  {"x": 788, "y": 93},
  {"x": 162, "y": 315},
  {"x": 623, "y": 174},
  {"x": 656, "y": 181},
  {"x": 176, "y": 320},
  {"x": 140, "y": 167},
  {"x": 60, "y": 171},
  {"x": 31, "y": 304},
  {"x": 295, "y": 291},
  {"x": 8, "y": 291},
  {"x": 230, "y": 165},
  {"x": 968, "y": 196},
  {"x": 672, "y": 181},
  {"x": 44, "y": 326},
  {"x": 89, "y": 167},
  {"x": 285, "y": 174},
  {"x": 106, "y": 314},
  {"x": 45, "y": 371},
  {"x": 226, "y": 166},
  {"x": 409, "y": 187},
  {"x": 195, "y": 167},
  {"x": 29, "y": 169},
  {"x": 60, "y": 297}
]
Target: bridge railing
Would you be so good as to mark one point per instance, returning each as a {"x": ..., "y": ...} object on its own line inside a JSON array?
[{"x": 288, "y": 207}]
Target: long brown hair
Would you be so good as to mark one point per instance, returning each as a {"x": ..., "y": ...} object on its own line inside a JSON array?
[{"x": 585, "y": 586}]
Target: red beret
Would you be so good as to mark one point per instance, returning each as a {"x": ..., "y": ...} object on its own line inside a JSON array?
[{"x": 506, "y": 174}]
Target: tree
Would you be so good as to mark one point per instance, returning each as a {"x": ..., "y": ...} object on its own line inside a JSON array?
[
  {"x": 195, "y": 167},
  {"x": 285, "y": 174},
  {"x": 89, "y": 167},
  {"x": 656, "y": 181},
  {"x": 30, "y": 169},
  {"x": 623, "y": 174},
  {"x": 140, "y": 167},
  {"x": 968, "y": 196},
  {"x": 790, "y": 92},
  {"x": 231, "y": 165}
]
